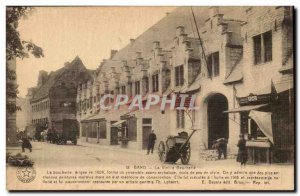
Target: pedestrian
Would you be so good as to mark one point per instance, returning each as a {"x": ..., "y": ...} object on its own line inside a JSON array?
[
  {"x": 53, "y": 135},
  {"x": 242, "y": 153},
  {"x": 151, "y": 142},
  {"x": 26, "y": 144},
  {"x": 221, "y": 146},
  {"x": 49, "y": 135}
]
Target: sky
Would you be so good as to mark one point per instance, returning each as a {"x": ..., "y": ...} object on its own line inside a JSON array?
[{"x": 89, "y": 32}]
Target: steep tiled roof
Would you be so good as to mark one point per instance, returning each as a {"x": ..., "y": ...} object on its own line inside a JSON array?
[
  {"x": 43, "y": 91},
  {"x": 235, "y": 75}
]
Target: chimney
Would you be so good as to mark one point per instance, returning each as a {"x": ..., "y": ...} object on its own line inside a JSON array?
[
  {"x": 43, "y": 76},
  {"x": 138, "y": 55},
  {"x": 213, "y": 11},
  {"x": 156, "y": 44},
  {"x": 30, "y": 92},
  {"x": 113, "y": 69},
  {"x": 132, "y": 41},
  {"x": 113, "y": 53},
  {"x": 66, "y": 64},
  {"x": 124, "y": 63},
  {"x": 187, "y": 44},
  {"x": 179, "y": 30},
  {"x": 162, "y": 58}
]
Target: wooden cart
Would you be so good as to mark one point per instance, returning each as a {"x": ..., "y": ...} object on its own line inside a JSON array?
[{"x": 175, "y": 148}]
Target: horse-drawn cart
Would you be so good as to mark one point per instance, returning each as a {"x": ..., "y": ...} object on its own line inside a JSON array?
[{"x": 175, "y": 148}]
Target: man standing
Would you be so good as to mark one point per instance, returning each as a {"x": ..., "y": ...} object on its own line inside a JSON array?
[
  {"x": 151, "y": 142},
  {"x": 221, "y": 146},
  {"x": 26, "y": 144},
  {"x": 242, "y": 153}
]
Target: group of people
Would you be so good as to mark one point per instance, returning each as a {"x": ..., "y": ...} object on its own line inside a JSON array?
[
  {"x": 23, "y": 138},
  {"x": 51, "y": 135},
  {"x": 220, "y": 145}
]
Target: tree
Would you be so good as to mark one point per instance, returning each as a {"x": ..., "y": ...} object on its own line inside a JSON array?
[{"x": 16, "y": 48}]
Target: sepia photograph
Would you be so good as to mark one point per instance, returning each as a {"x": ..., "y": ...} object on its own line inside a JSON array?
[{"x": 144, "y": 98}]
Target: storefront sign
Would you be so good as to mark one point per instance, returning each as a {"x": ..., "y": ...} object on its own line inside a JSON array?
[{"x": 254, "y": 99}]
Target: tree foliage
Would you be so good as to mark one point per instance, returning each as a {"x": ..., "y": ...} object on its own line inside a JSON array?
[{"x": 16, "y": 48}]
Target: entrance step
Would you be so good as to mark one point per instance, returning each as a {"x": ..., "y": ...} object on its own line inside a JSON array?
[{"x": 212, "y": 155}]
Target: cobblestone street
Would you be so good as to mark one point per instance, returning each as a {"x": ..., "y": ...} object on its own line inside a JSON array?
[
  {"x": 90, "y": 155},
  {"x": 51, "y": 155}
]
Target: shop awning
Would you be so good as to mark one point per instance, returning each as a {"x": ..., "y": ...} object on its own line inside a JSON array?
[
  {"x": 245, "y": 108},
  {"x": 95, "y": 117},
  {"x": 283, "y": 83},
  {"x": 264, "y": 122},
  {"x": 120, "y": 122}
]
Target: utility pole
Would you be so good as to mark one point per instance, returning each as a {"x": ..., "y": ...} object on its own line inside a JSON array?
[{"x": 201, "y": 43}]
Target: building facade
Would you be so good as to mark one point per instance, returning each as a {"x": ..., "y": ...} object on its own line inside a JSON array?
[
  {"x": 245, "y": 54},
  {"x": 54, "y": 97}
]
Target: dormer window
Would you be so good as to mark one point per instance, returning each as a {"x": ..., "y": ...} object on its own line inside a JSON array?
[
  {"x": 123, "y": 90},
  {"x": 179, "y": 75},
  {"x": 213, "y": 64},
  {"x": 137, "y": 87},
  {"x": 146, "y": 85},
  {"x": 194, "y": 69},
  {"x": 129, "y": 89},
  {"x": 155, "y": 83}
]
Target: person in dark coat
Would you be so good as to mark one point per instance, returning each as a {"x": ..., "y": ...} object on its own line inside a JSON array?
[
  {"x": 26, "y": 144},
  {"x": 221, "y": 146},
  {"x": 151, "y": 141},
  {"x": 54, "y": 135},
  {"x": 49, "y": 135},
  {"x": 242, "y": 153}
]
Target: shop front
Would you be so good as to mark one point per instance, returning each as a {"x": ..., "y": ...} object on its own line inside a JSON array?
[
  {"x": 267, "y": 122},
  {"x": 283, "y": 118},
  {"x": 93, "y": 129},
  {"x": 125, "y": 129},
  {"x": 256, "y": 126}
]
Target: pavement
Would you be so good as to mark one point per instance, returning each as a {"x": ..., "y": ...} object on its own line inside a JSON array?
[
  {"x": 51, "y": 155},
  {"x": 89, "y": 154}
]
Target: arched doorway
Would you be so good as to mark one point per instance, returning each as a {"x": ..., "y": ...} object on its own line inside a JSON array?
[{"x": 217, "y": 121}]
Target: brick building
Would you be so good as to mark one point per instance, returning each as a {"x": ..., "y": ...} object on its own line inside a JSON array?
[
  {"x": 238, "y": 62},
  {"x": 54, "y": 97}
]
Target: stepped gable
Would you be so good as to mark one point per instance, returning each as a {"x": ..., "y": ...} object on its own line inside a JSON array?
[{"x": 164, "y": 31}]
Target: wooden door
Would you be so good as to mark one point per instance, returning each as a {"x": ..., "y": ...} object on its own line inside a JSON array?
[{"x": 146, "y": 132}]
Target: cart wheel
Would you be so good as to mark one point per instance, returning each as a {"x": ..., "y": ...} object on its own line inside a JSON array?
[
  {"x": 186, "y": 155},
  {"x": 162, "y": 151}
]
